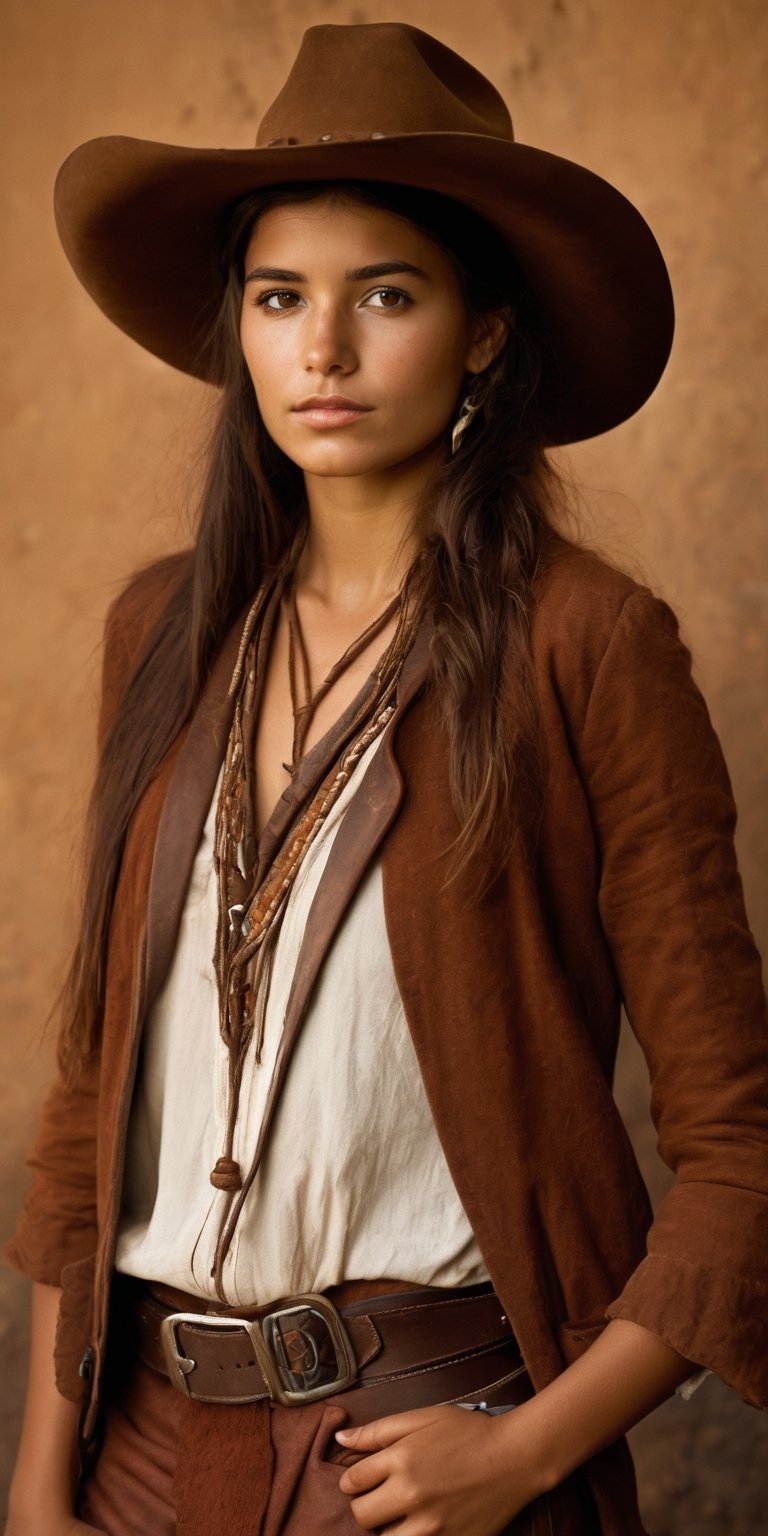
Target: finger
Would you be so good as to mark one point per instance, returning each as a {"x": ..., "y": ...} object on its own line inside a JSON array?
[
  {"x": 364, "y": 1475},
  {"x": 383, "y": 1432},
  {"x": 378, "y": 1511}
]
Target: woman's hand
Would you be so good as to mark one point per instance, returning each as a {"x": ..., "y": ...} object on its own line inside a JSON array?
[
  {"x": 464, "y": 1474},
  {"x": 439, "y": 1470}
]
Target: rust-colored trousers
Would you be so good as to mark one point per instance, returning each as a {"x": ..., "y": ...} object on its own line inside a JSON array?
[{"x": 170, "y": 1467}]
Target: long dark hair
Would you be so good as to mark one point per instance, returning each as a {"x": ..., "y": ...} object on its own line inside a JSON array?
[{"x": 483, "y": 534}]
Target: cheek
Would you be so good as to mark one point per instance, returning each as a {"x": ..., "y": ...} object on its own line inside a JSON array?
[
  {"x": 265, "y": 340},
  {"x": 431, "y": 371},
  {"x": 267, "y": 371},
  {"x": 256, "y": 356},
  {"x": 436, "y": 347}
]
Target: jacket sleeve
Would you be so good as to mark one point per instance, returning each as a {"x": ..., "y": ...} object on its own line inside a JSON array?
[
  {"x": 57, "y": 1225},
  {"x": 672, "y": 909}
]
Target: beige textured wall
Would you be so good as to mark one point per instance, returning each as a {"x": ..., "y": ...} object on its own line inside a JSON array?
[{"x": 666, "y": 98}]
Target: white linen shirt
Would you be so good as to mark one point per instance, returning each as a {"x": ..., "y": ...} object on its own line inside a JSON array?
[{"x": 353, "y": 1183}]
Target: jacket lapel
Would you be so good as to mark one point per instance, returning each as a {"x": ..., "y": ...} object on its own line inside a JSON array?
[
  {"x": 183, "y": 815},
  {"x": 371, "y": 812}
]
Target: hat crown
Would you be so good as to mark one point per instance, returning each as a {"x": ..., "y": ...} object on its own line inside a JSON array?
[{"x": 380, "y": 79}]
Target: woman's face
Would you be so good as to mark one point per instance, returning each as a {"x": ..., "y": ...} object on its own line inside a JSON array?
[{"x": 356, "y": 336}]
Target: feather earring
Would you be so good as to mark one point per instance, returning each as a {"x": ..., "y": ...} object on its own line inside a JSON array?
[{"x": 469, "y": 409}]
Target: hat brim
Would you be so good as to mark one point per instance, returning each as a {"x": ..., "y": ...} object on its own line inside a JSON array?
[{"x": 141, "y": 224}]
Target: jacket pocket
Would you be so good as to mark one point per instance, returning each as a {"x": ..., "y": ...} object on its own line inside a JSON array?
[{"x": 74, "y": 1327}]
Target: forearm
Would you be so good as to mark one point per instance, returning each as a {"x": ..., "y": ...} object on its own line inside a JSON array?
[
  {"x": 625, "y": 1374},
  {"x": 45, "y": 1478},
  {"x": 469, "y": 1475}
]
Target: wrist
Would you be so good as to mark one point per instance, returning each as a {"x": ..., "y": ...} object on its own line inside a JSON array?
[
  {"x": 625, "y": 1374},
  {"x": 527, "y": 1457}
]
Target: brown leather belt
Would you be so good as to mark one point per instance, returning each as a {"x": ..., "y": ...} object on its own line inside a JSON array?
[{"x": 380, "y": 1355}]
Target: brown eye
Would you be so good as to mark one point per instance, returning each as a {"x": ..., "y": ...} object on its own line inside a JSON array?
[
  {"x": 284, "y": 298},
  {"x": 388, "y": 298}
]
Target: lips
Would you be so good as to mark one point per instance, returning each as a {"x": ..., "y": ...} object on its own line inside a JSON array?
[
  {"x": 330, "y": 403},
  {"x": 329, "y": 411}
]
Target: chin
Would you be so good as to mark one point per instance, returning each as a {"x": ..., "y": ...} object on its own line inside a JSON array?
[
  {"x": 340, "y": 460},
  {"x": 338, "y": 463}
]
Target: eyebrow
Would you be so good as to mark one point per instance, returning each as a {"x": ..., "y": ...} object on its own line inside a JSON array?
[{"x": 355, "y": 275}]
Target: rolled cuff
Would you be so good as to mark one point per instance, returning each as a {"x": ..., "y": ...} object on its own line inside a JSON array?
[
  {"x": 707, "y": 1315},
  {"x": 57, "y": 1223},
  {"x": 42, "y": 1249}
]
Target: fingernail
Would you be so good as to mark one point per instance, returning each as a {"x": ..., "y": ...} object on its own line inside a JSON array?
[{"x": 343, "y": 1434}]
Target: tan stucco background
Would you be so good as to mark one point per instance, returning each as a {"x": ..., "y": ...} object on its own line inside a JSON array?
[{"x": 668, "y": 99}]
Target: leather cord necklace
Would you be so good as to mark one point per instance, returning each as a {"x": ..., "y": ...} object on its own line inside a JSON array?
[
  {"x": 304, "y": 712},
  {"x": 249, "y": 917}
]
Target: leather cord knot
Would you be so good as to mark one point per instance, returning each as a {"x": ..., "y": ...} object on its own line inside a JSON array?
[{"x": 226, "y": 1174}]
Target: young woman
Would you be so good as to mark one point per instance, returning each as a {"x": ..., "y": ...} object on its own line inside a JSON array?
[{"x": 400, "y": 795}]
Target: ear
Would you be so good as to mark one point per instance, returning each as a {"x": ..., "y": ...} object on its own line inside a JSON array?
[{"x": 487, "y": 335}]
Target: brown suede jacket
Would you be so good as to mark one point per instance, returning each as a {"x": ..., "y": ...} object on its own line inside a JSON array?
[{"x": 630, "y": 893}]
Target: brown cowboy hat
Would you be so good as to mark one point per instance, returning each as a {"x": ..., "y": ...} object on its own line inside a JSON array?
[{"x": 141, "y": 222}]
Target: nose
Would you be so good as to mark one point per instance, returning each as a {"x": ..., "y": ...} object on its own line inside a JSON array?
[{"x": 329, "y": 343}]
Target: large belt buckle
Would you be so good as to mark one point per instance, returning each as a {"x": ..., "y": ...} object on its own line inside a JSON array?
[{"x": 310, "y": 1359}]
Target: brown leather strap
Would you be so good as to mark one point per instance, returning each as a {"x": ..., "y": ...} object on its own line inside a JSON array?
[{"x": 411, "y": 1348}]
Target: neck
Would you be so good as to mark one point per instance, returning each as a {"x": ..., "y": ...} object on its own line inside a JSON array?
[{"x": 364, "y": 534}]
